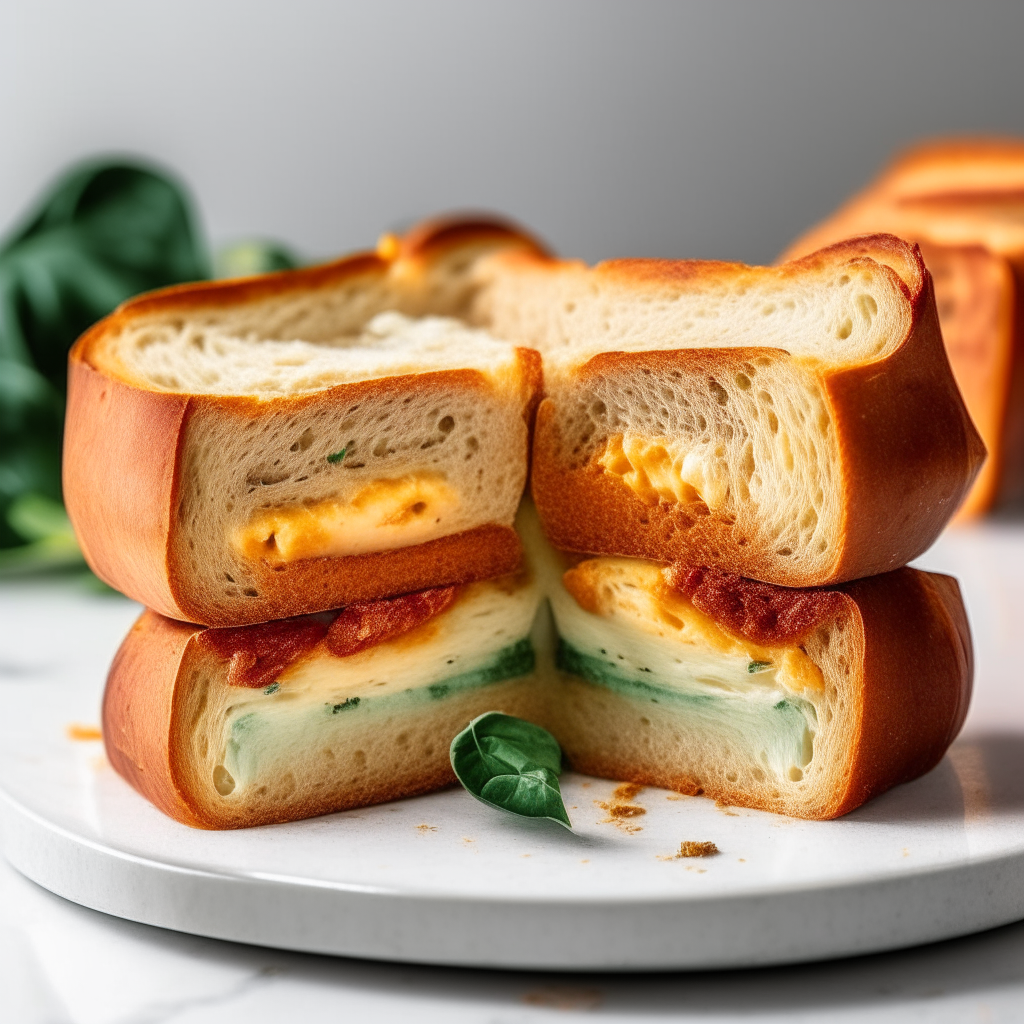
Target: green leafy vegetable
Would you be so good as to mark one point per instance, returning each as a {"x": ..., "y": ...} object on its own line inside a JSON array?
[
  {"x": 758, "y": 666},
  {"x": 345, "y": 705},
  {"x": 512, "y": 765},
  {"x": 337, "y": 456},
  {"x": 105, "y": 232},
  {"x": 253, "y": 257}
]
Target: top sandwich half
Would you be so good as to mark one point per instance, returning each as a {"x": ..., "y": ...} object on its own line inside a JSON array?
[
  {"x": 259, "y": 449},
  {"x": 244, "y": 451},
  {"x": 798, "y": 424}
]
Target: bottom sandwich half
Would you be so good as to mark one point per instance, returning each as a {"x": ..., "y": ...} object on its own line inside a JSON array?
[
  {"x": 233, "y": 727},
  {"x": 801, "y": 702}
]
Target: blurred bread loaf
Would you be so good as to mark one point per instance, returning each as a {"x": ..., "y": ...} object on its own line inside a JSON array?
[
  {"x": 245, "y": 451},
  {"x": 798, "y": 425},
  {"x": 962, "y": 201}
]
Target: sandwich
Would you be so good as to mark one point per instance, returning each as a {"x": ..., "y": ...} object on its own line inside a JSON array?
[
  {"x": 797, "y": 425},
  {"x": 258, "y": 449},
  {"x": 237, "y": 726},
  {"x": 805, "y": 702},
  {"x": 962, "y": 201}
]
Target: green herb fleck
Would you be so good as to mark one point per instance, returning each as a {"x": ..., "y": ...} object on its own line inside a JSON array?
[
  {"x": 758, "y": 666},
  {"x": 337, "y": 456},
  {"x": 439, "y": 690},
  {"x": 345, "y": 705},
  {"x": 781, "y": 706},
  {"x": 512, "y": 765},
  {"x": 272, "y": 688}
]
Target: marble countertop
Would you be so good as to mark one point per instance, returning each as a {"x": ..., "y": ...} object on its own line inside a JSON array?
[{"x": 64, "y": 964}]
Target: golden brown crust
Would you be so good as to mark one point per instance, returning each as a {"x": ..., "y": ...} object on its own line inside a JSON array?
[
  {"x": 124, "y": 445},
  {"x": 906, "y": 466},
  {"x": 121, "y": 448},
  {"x": 137, "y": 707},
  {"x": 916, "y": 684},
  {"x": 911, "y": 690}
]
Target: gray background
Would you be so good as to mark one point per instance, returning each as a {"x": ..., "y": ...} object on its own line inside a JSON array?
[{"x": 713, "y": 129}]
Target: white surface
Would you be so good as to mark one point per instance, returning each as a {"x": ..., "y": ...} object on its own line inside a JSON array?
[
  {"x": 939, "y": 857},
  {"x": 63, "y": 964}
]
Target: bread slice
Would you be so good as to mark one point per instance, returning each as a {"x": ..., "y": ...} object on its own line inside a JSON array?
[
  {"x": 246, "y": 451},
  {"x": 963, "y": 201},
  {"x": 802, "y": 702},
  {"x": 799, "y": 425},
  {"x": 232, "y": 727}
]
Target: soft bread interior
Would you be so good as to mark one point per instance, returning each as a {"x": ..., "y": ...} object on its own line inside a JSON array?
[
  {"x": 750, "y": 443},
  {"x": 836, "y": 312},
  {"x": 332, "y": 732},
  {"x": 650, "y": 689},
  {"x": 216, "y": 358}
]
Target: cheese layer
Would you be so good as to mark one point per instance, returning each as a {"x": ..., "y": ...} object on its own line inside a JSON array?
[
  {"x": 632, "y": 637},
  {"x": 654, "y": 473},
  {"x": 383, "y": 515},
  {"x": 483, "y": 638}
]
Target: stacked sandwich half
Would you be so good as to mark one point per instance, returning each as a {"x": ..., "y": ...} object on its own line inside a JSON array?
[{"x": 731, "y": 465}]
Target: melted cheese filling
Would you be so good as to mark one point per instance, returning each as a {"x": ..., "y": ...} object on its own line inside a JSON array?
[
  {"x": 653, "y": 473},
  {"x": 484, "y": 637},
  {"x": 383, "y": 515},
  {"x": 620, "y": 627}
]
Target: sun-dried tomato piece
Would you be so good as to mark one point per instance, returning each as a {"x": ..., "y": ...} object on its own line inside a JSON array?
[
  {"x": 767, "y": 614},
  {"x": 259, "y": 654},
  {"x": 368, "y": 623}
]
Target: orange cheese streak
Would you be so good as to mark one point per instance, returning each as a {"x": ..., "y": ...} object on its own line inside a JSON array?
[{"x": 257, "y": 655}]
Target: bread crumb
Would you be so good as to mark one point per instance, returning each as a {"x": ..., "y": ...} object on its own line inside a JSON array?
[
  {"x": 76, "y": 731},
  {"x": 689, "y": 848},
  {"x": 584, "y": 861},
  {"x": 742, "y": 860},
  {"x": 627, "y": 791},
  {"x": 526, "y": 855},
  {"x": 618, "y": 811},
  {"x": 675, "y": 796},
  {"x": 622, "y": 810},
  {"x": 467, "y": 840},
  {"x": 426, "y": 828}
]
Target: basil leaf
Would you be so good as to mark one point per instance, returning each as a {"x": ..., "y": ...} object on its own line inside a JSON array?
[{"x": 512, "y": 765}]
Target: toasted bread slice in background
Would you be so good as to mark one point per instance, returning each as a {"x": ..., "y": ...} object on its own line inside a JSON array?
[
  {"x": 801, "y": 702},
  {"x": 798, "y": 425},
  {"x": 245, "y": 451},
  {"x": 233, "y": 727},
  {"x": 963, "y": 201}
]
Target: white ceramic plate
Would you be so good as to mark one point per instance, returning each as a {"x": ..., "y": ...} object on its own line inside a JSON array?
[{"x": 443, "y": 879}]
